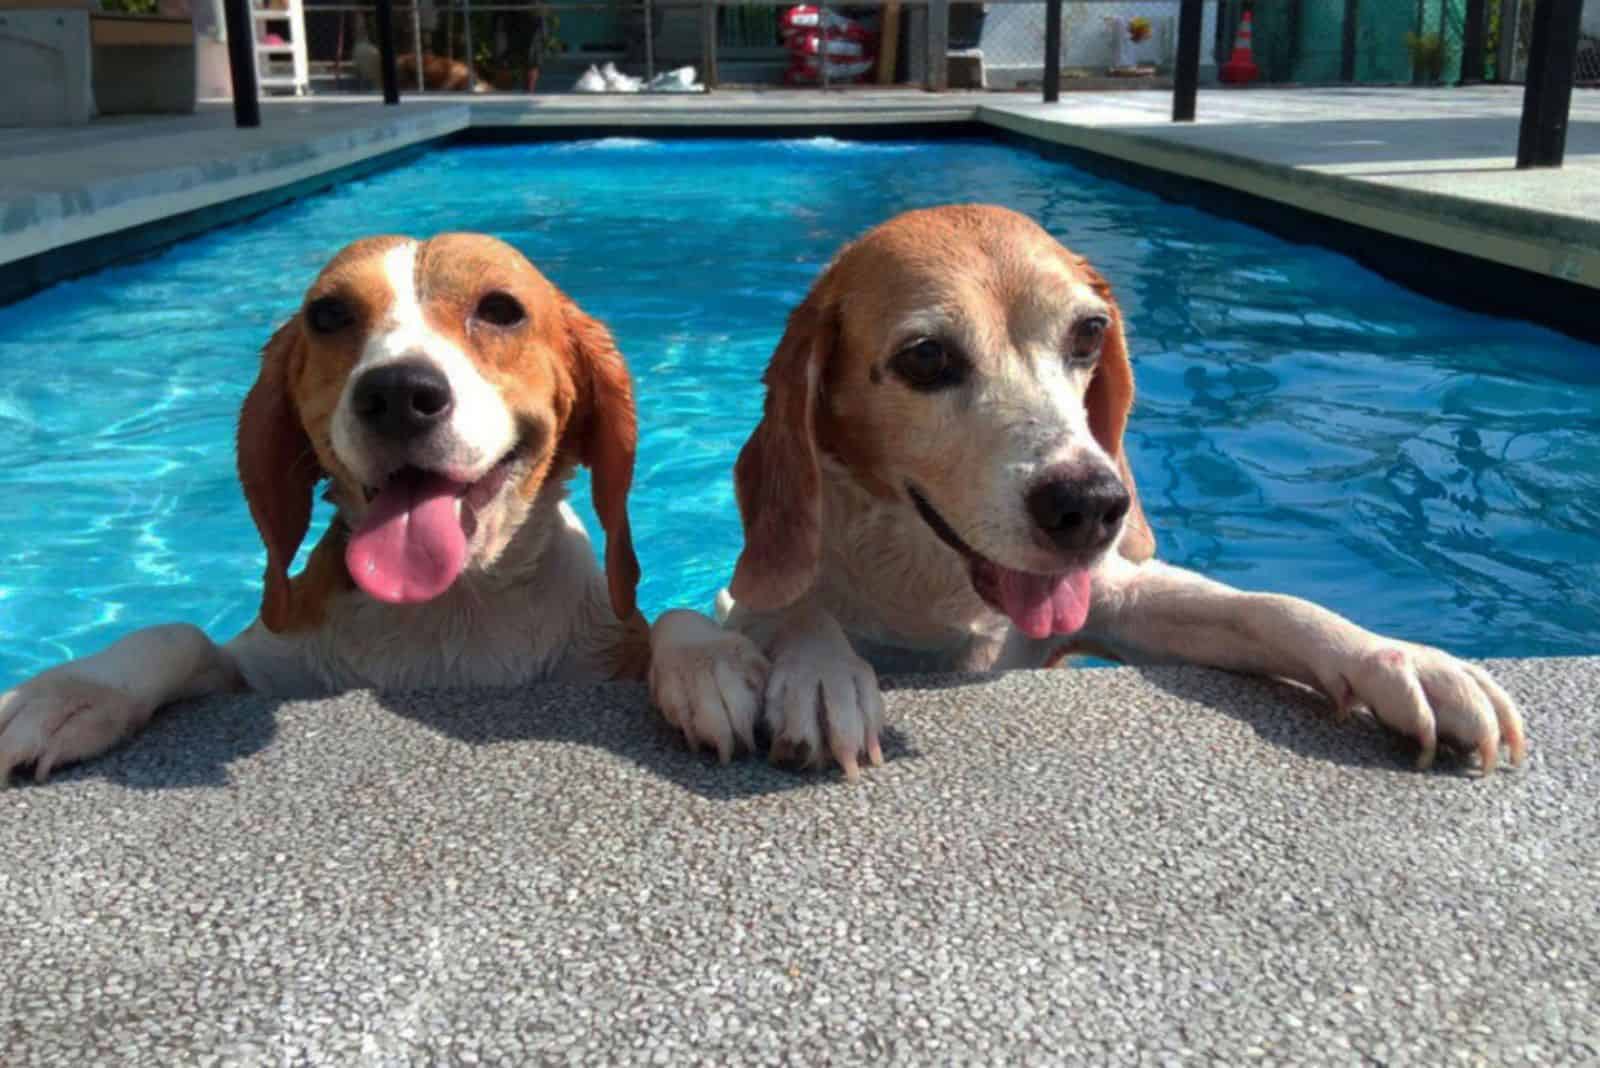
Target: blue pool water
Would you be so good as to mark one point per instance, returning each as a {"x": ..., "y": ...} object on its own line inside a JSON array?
[{"x": 1303, "y": 425}]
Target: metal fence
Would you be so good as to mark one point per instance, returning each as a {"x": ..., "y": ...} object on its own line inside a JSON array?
[
  {"x": 1588, "y": 63},
  {"x": 1127, "y": 43},
  {"x": 551, "y": 45},
  {"x": 1389, "y": 42},
  {"x": 622, "y": 45}
]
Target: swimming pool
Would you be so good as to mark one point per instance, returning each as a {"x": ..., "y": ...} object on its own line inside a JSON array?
[{"x": 1303, "y": 425}]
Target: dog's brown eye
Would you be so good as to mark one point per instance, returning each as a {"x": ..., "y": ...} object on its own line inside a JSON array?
[
  {"x": 929, "y": 365},
  {"x": 328, "y": 315},
  {"x": 1087, "y": 337},
  {"x": 499, "y": 309}
]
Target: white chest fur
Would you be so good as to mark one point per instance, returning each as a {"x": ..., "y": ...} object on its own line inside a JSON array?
[{"x": 542, "y": 612}]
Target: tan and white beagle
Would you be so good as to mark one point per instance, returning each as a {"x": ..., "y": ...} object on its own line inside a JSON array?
[
  {"x": 938, "y": 483},
  {"x": 445, "y": 390}
]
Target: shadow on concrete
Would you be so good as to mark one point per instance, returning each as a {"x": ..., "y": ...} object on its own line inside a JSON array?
[
  {"x": 1294, "y": 718},
  {"x": 618, "y": 718},
  {"x": 192, "y": 745},
  {"x": 188, "y": 745},
  {"x": 1313, "y": 142},
  {"x": 1412, "y": 171},
  {"x": 1283, "y": 714}
]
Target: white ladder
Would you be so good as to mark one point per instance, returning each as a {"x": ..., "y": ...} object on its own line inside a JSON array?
[{"x": 270, "y": 73}]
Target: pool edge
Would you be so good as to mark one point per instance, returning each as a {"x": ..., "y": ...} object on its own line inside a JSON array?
[
  {"x": 1525, "y": 264},
  {"x": 116, "y": 218},
  {"x": 1505, "y": 279}
]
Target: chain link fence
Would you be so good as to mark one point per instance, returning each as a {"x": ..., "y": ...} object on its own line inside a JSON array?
[
  {"x": 643, "y": 45},
  {"x": 1588, "y": 66},
  {"x": 1394, "y": 42},
  {"x": 1372, "y": 42},
  {"x": 624, "y": 45},
  {"x": 1104, "y": 43},
  {"x": 600, "y": 46}
]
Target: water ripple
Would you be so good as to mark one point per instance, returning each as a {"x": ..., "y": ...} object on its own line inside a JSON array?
[{"x": 1302, "y": 426}]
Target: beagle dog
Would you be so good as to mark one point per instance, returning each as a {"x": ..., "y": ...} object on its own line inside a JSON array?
[
  {"x": 445, "y": 390},
  {"x": 938, "y": 483}
]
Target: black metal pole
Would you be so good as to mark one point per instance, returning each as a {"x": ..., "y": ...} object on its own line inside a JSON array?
[
  {"x": 1347, "y": 55},
  {"x": 1474, "y": 39},
  {"x": 1052, "y": 51},
  {"x": 1547, "y": 100},
  {"x": 242, "y": 63},
  {"x": 391, "y": 76},
  {"x": 1186, "y": 78}
]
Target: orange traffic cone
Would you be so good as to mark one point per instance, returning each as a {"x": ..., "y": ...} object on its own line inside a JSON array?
[{"x": 1241, "y": 67}]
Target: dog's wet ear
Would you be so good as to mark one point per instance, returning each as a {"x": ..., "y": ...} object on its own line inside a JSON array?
[
  {"x": 778, "y": 477},
  {"x": 607, "y": 434},
  {"x": 278, "y": 470},
  {"x": 1109, "y": 400}
]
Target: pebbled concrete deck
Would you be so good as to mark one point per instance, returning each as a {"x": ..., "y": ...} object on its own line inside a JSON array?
[{"x": 1103, "y": 867}]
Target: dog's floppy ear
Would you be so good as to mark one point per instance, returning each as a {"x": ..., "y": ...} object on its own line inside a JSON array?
[
  {"x": 278, "y": 470},
  {"x": 607, "y": 434},
  {"x": 1108, "y": 401},
  {"x": 778, "y": 477}
]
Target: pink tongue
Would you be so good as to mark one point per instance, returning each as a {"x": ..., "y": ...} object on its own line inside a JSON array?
[
  {"x": 410, "y": 547},
  {"x": 1042, "y": 605}
]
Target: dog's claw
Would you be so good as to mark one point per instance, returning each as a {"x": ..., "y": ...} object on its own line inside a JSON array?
[
  {"x": 1489, "y": 755},
  {"x": 1429, "y": 695},
  {"x": 707, "y": 682},
  {"x": 848, "y": 763},
  {"x": 824, "y": 698}
]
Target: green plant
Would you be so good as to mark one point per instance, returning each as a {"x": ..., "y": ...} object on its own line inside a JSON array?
[
  {"x": 130, "y": 7},
  {"x": 1427, "y": 55},
  {"x": 508, "y": 45},
  {"x": 1491, "y": 46},
  {"x": 546, "y": 34}
]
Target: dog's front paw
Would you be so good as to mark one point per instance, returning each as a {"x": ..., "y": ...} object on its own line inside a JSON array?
[
  {"x": 57, "y": 719},
  {"x": 823, "y": 703},
  {"x": 1430, "y": 696},
  {"x": 707, "y": 681}
]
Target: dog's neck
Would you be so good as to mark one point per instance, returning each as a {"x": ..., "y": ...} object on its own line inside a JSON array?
[
  {"x": 539, "y": 611},
  {"x": 890, "y": 581}
]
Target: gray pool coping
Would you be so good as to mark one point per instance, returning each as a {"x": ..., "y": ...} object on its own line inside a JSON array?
[
  {"x": 1110, "y": 866},
  {"x": 1429, "y": 165}
]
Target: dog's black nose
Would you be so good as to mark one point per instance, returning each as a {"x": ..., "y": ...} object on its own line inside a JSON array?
[
  {"x": 403, "y": 400},
  {"x": 1080, "y": 513}
]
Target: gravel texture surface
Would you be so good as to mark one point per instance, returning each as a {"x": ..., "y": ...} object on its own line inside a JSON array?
[{"x": 1109, "y": 866}]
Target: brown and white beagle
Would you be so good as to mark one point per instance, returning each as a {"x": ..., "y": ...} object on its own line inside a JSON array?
[
  {"x": 938, "y": 483},
  {"x": 445, "y": 390}
]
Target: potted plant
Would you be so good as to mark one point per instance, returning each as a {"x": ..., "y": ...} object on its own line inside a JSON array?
[
  {"x": 509, "y": 46},
  {"x": 1427, "y": 57},
  {"x": 544, "y": 41},
  {"x": 1128, "y": 38}
]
